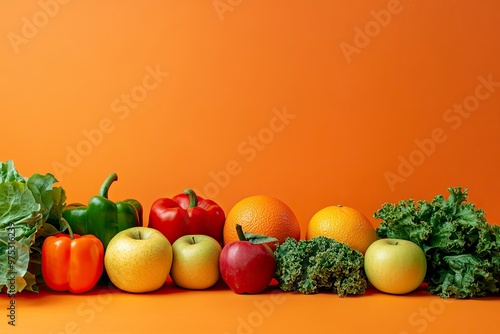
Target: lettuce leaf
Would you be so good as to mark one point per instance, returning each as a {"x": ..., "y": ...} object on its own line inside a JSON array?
[
  {"x": 462, "y": 248},
  {"x": 8, "y": 172},
  {"x": 28, "y": 209}
]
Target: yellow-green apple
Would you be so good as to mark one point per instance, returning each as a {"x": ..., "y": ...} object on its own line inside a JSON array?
[
  {"x": 395, "y": 266},
  {"x": 196, "y": 261},
  {"x": 138, "y": 259}
]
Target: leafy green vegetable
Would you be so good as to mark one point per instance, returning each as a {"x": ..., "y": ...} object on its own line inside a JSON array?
[
  {"x": 30, "y": 210},
  {"x": 462, "y": 248},
  {"x": 309, "y": 266},
  {"x": 9, "y": 173}
]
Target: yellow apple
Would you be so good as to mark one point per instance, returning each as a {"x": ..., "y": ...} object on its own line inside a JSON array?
[
  {"x": 395, "y": 266},
  {"x": 196, "y": 261},
  {"x": 138, "y": 259}
]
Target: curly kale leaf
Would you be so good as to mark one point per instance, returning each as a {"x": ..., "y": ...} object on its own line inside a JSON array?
[
  {"x": 319, "y": 264},
  {"x": 462, "y": 248}
]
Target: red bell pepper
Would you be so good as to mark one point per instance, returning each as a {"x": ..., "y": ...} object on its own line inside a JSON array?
[
  {"x": 72, "y": 262},
  {"x": 185, "y": 214}
]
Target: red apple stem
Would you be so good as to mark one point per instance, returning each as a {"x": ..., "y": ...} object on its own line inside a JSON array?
[
  {"x": 253, "y": 238},
  {"x": 241, "y": 234}
]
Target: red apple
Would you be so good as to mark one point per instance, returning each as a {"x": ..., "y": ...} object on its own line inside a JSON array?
[{"x": 248, "y": 265}]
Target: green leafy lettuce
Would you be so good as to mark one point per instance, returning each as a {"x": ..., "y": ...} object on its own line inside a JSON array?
[
  {"x": 30, "y": 209},
  {"x": 319, "y": 264},
  {"x": 462, "y": 248}
]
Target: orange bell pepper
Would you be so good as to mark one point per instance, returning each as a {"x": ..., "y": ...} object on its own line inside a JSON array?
[{"x": 72, "y": 262}]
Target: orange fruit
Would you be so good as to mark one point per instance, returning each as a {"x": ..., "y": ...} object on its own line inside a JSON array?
[
  {"x": 262, "y": 214},
  {"x": 344, "y": 224}
]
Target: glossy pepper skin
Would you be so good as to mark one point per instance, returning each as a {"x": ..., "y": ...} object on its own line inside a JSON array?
[
  {"x": 103, "y": 217},
  {"x": 72, "y": 262},
  {"x": 187, "y": 213}
]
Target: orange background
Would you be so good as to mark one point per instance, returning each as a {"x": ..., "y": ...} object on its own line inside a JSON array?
[{"x": 360, "y": 87}]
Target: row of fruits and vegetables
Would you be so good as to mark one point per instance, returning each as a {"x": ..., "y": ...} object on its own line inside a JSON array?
[{"x": 445, "y": 244}]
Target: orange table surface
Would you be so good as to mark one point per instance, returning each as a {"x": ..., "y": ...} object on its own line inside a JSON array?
[{"x": 218, "y": 310}]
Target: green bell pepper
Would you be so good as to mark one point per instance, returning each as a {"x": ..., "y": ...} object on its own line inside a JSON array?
[{"x": 102, "y": 217}]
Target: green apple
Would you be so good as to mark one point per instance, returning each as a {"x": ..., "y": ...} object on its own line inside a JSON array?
[
  {"x": 196, "y": 261},
  {"x": 395, "y": 266},
  {"x": 138, "y": 259}
]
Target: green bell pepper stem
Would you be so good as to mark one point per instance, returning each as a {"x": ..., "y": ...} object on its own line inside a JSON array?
[
  {"x": 193, "y": 199},
  {"x": 106, "y": 184}
]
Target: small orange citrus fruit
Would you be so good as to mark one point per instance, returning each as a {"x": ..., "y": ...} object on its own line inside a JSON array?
[
  {"x": 262, "y": 214},
  {"x": 344, "y": 224}
]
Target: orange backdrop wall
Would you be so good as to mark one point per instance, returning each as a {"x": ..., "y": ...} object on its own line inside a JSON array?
[{"x": 316, "y": 103}]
